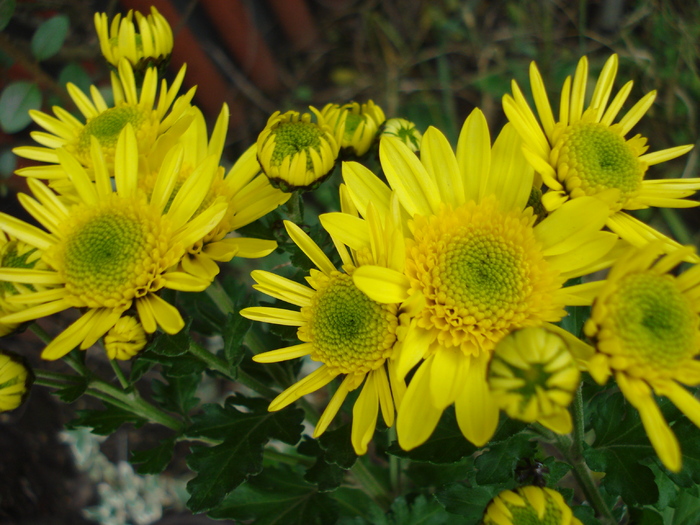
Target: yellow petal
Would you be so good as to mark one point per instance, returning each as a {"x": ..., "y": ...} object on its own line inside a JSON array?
[
  {"x": 380, "y": 284},
  {"x": 417, "y": 417},
  {"x": 476, "y": 409}
]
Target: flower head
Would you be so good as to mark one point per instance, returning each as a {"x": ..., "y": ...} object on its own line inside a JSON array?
[
  {"x": 144, "y": 43},
  {"x": 586, "y": 153},
  {"x": 645, "y": 324},
  {"x": 359, "y": 124},
  {"x": 350, "y": 334},
  {"x": 295, "y": 152},
  {"x": 114, "y": 250},
  {"x": 151, "y": 116},
  {"x": 529, "y": 506},
  {"x": 405, "y": 131},
  {"x": 534, "y": 376},
  {"x": 477, "y": 266},
  {"x": 15, "y": 380},
  {"x": 125, "y": 339}
]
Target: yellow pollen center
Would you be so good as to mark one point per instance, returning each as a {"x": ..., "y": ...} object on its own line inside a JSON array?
[
  {"x": 482, "y": 274},
  {"x": 350, "y": 332},
  {"x": 654, "y": 320}
]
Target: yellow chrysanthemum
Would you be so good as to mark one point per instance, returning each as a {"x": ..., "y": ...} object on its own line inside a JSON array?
[
  {"x": 477, "y": 267},
  {"x": 15, "y": 380},
  {"x": 16, "y": 254},
  {"x": 405, "y": 131},
  {"x": 113, "y": 250},
  {"x": 153, "y": 118},
  {"x": 125, "y": 339},
  {"x": 342, "y": 328},
  {"x": 147, "y": 42},
  {"x": 645, "y": 324},
  {"x": 358, "y": 124},
  {"x": 533, "y": 375},
  {"x": 296, "y": 153},
  {"x": 529, "y": 506},
  {"x": 247, "y": 192},
  {"x": 585, "y": 154}
]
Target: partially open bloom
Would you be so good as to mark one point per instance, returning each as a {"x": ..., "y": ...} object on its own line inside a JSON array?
[
  {"x": 151, "y": 116},
  {"x": 349, "y": 333},
  {"x": 116, "y": 248},
  {"x": 405, "y": 131},
  {"x": 584, "y": 153},
  {"x": 125, "y": 339},
  {"x": 645, "y": 324},
  {"x": 359, "y": 124},
  {"x": 477, "y": 267},
  {"x": 533, "y": 375},
  {"x": 15, "y": 380},
  {"x": 295, "y": 152},
  {"x": 146, "y": 42},
  {"x": 529, "y": 506}
]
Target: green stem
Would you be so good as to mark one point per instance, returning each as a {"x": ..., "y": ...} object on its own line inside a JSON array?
[
  {"x": 371, "y": 485},
  {"x": 394, "y": 466},
  {"x": 40, "y": 333},
  {"x": 123, "y": 381},
  {"x": 218, "y": 295},
  {"x": 283, "y": 457}
]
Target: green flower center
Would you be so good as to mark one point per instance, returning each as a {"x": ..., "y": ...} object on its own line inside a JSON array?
[
  {"x": 349, "y": 331},
  {"x": 654, "y": 320},
  {"x": 601, "y": 159},
  {"x": 528, "y": 515},
  {"x": 294, "y": 137}
]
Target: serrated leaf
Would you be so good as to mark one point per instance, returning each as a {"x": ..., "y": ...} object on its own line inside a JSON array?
[
  {"x": 422, "y": 511},
  {"x": 154, "y": 460},
  {"x": 586, "y": 514},
  {"x": 70, "y": 393},
  {"x": 7, "y": 9},
  {"x": 177, "y": 395},
  {"x": 469, "y": 502},
  {"x": 279, "y": 496},
  {"x": 104, "y": 422},
  {"x": 645, "y": 517},
  {"x": 15, "y": 102},
  {"x": 172, "y": 345},
  {"x": 49, "y": 37},
  {"x": 233, "y": 333},
  {"x": 221, "y": 468},
  {"x": 686, "y": 509},
  {"x": 497, "y": 463},
  {"x": 140, "y": 366},
  {"x": 356, "y": 504},
  {"x": 337, "y": 447}
]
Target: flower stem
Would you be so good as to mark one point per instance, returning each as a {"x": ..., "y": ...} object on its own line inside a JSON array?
[
  {"x": 123, "y": 381},
  {"x": 218, "y": 295},
  {"x": 371, "y": 485}
]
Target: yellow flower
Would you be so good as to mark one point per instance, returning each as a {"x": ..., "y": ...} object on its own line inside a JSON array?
[
  {"x": 148, "y": 42},
  {"x": 247, "y": 192},
  {"x": 585, "y": 154},
  {"x": 152, "y": 120},
  {"x": 342, "y": 328},
  {"x": 359, "y": 124},
  {"x": 477, "y": 267},
  {"x": 16, "y": 254},
  {"x": 125, "y": 339},
  {"x": 405, "y": 131},
  {"x": 646, "y": 327},
  {"x": 534, "y": 376},
  {"x": 15, "y": 380},
  {"x": 296, "y": 153},
  {"x": 529, "y": 506},
  {"x": 113, "y": 250}
]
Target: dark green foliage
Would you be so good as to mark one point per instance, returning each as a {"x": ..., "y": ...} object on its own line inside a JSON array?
[{"x": 105, "y": 422}]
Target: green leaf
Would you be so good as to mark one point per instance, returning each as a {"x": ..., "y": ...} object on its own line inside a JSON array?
[
  {"x": 278, "y": 496},
  {"x": 15, "y": 102},
  {"x": 686, "y": 509},
  {"x": 154, "y": 460},
  {"x": 7, "y": 9},
  {"x": 104, "y": 422},
  {"x": 497, "y": 463},
  {"x": 357, "y": 505},
  {"x": 337, "y": 447},
  {"x": 645, "y": 517},
  {"x": 223, "y": 467},
  {"x": 233, "y": 333},
  {"x": 334, "y": 456},
  {"x": 177, "y": 395},
  {"x": 70, "y": 393},
  {"x": 422, "y": 511},
  {"x": 49, "y": 37},
  {"x": 687, "y": 434},
  {"x": 8, "y": 163},
  {"x": 470, "y": 502},
  {"x": 76, "y": 74},
  {"x": 586, "y": 514},
  {"x": 171, "y": 345}
]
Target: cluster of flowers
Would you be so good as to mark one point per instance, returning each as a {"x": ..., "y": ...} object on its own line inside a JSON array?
[{"x": 454, "y": 271}]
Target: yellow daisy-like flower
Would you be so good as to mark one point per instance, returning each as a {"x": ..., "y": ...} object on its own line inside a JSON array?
[
  {"x": 342, "y": 328},
  {"x": 529, "y": 506},
  {"x": 125, "y": 339},
  {"x": 359, "y": 124},
  {"x": 405, "y": 131},
  {"x": 296, "y": 153},
  {"x": 247, "y": 192},
  {"x": 646, "y": 327},
  {"x": 15, "y": 380},
  {"x": 113, "y": 250},
  {"x": 533, "y": 375},
  {"x": 154, "y": 118},
  {"x": 477, "y": 267},
  {"x": 16, "y": 254},
  {"x": 147, "y": 42},
  {"x": 584, "y": 153}
]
